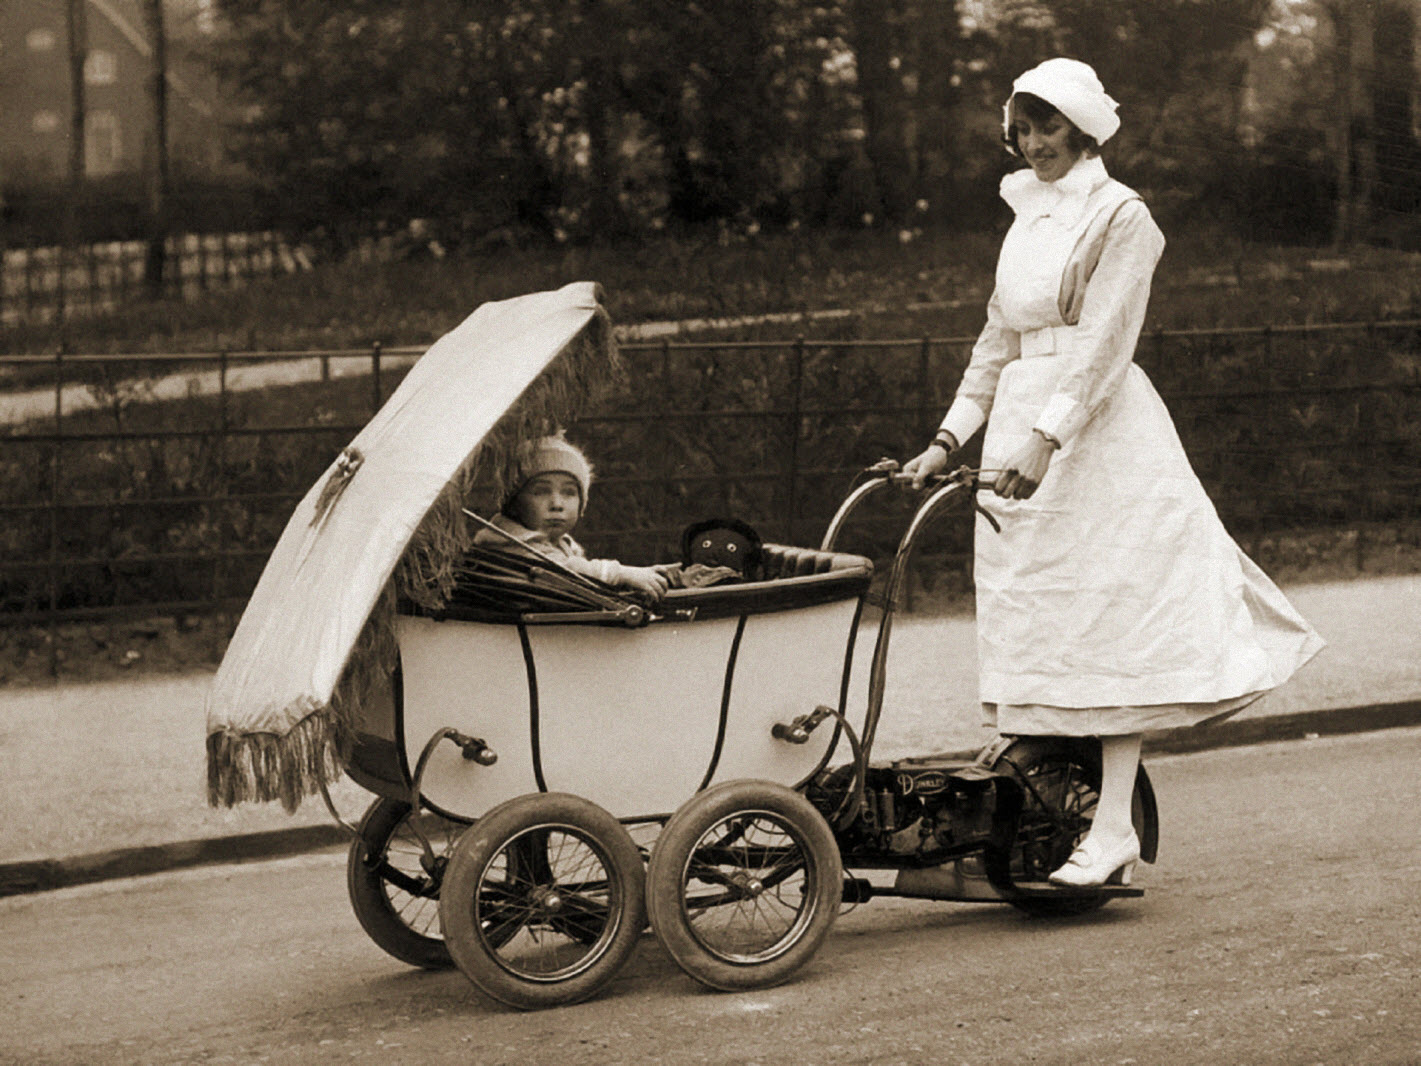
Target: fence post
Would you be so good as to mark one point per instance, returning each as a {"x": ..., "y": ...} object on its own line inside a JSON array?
[
  {"x": 796, "y": 398},
  {"x": 55, "y": 472},
  {"x": 91, "y": 268},
  {"x": 219, "y": 570},
  {"x": 61, "y": 305},
  {"x": 375, "y": 375},
  {"x": 29, "y": 280}
]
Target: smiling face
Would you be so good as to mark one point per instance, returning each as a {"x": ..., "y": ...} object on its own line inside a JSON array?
[
  {"x": 721, "y": 547},
  {"x": 1046, "y": 143},
  {"x": 549, "y": 504}
]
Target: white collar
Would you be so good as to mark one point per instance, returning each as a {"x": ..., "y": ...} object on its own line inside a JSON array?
[{"x": 1063, "y": 199}]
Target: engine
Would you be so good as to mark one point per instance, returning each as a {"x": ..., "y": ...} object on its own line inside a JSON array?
[{"x": 915, "y": 809}]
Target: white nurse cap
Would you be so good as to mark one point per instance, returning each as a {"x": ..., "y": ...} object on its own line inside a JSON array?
[{"x": 1073, "y": 89}]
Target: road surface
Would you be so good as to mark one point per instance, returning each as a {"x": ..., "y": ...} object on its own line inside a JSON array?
[{"x": 1280, "y": 926}]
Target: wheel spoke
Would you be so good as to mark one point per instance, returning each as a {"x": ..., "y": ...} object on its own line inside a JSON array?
[
  {"x": 549, "y": 913},
  {"x": 763, "y": 874}
]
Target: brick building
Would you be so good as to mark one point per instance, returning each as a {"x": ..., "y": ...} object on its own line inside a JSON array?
[{"x": 36, "y": 112}]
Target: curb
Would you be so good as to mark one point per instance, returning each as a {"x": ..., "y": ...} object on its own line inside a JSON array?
[
  {"x": 44, "y": 875},
  {"x": 1302, "y": 725}
]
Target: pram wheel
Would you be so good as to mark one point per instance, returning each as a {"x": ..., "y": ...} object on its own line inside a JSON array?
[
  {"x": 1061, "y": 779},
  {"x": 395, "y": 899},
  {"x": 543, "y": 900},
  {"x": 744, "y": 884}
]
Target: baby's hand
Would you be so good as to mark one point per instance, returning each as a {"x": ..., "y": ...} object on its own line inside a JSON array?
[{"x": 646, "y": 579}]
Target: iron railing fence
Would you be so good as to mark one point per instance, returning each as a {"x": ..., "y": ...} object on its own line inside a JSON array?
[{"x": 140, "y": 486}]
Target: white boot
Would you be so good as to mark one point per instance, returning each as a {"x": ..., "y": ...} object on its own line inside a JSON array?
[{"x": 1099, "y": 861}]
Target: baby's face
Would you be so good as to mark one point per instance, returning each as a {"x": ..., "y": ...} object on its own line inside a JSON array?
[{"x": 549, "y": 503}]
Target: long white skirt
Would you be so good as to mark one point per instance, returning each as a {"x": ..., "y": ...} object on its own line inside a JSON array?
[{"x": 1114, "y": 601}]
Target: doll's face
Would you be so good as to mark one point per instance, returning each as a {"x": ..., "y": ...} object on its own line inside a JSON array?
[
  {"x": 549, "y": 503},
  {"x": 721, "y": 547}
]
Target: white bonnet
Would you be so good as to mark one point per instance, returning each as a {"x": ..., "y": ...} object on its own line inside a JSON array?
[
  {"x": 1073, "y": 89},
  {"x": 551, "y": 454}
]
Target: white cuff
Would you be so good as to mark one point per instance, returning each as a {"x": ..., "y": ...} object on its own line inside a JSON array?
[
  {"x": 1062, "y": 418},
  {"x": 963, "y": 419}
]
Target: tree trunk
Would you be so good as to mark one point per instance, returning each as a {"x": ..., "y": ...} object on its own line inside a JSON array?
[
  {"x": 602, "y": 203},
  {"x": 156, "y": 257},
  {"x": 880, "y": 93},
  {"x": 1355, "y": 28},
  {"x": 77, "y": 28}
]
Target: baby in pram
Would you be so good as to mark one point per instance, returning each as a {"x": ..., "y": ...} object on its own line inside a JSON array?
[{"x": 553, "y": 478}]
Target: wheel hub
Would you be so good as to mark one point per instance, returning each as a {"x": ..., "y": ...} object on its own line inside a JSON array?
[
  {"x": 548, "y": 899},
  {"x": 749, "y": 885}
]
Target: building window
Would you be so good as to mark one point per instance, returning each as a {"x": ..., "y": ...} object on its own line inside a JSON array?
[
  {"x": 100, "y": 67},
  {"x": 102, "y": 153},
  {"x": 44, "y": 122},
  {"x": 40, "y": 40}
]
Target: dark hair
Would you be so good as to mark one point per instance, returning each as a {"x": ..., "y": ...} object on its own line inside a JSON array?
[{"x": 1039, "y": 111}]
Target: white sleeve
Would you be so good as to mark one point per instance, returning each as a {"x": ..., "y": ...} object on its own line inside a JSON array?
[
  {"x": 607, "y": 571},
  {"x": 1103, "y": 342},
  {"x": 997, "y": 345}
]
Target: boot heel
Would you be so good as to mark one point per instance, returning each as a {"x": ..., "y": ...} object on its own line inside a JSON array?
[{"x": 1122, "y": 876}]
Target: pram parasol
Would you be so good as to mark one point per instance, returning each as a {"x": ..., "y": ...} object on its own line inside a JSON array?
[{"x": 384, "y": 522}]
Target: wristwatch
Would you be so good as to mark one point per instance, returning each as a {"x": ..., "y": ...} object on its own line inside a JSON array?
[{"x": 945, "y": 440}]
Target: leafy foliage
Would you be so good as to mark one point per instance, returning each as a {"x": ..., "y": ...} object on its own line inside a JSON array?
[{"x": 593, "y": 118}]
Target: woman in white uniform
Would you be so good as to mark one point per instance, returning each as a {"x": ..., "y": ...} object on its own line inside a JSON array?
[{"x": 1113, "y": 601}]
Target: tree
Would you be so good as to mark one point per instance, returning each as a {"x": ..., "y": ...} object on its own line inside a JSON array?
[
  {"x": 156, "y": 254},
  {"x": 1178, "y": 69},
  {"x": 728, "y": 92},
  {"x": 365, "y": 114},
  {"x": 1374, "y": 79},
  {"x": 909, "y": 59},
  {"x": 77, "y": 33},
  {"x": 1335, "y": 87}
]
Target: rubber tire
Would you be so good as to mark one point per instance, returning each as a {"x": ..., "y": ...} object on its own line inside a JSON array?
[
  {"x": 667, "y": 876},
  {"x": 397, "y": 933},
  {"x": 1084, "y": 752},
  {"x": 482, "y": 844}
]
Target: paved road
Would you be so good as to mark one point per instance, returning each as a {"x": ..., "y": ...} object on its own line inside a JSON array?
[{"x": 1281, "y": 926}]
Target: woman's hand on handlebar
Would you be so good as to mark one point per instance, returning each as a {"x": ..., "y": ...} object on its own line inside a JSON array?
[
  {"x": 932, "y": 460},
  {"x": 1027, "y": 467}
]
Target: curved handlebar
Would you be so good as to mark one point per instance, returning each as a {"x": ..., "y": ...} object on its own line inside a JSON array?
[
  {"x": 942, "y": 490},
  {"x": 889, "y": 472},
  {"x": 962, "y": 475}
]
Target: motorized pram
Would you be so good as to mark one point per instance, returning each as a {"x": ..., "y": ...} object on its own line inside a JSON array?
[{"x": 557, "y": 764}]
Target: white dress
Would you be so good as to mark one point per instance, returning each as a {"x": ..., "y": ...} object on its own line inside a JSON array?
[{"x": 1113, "y": 601}]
